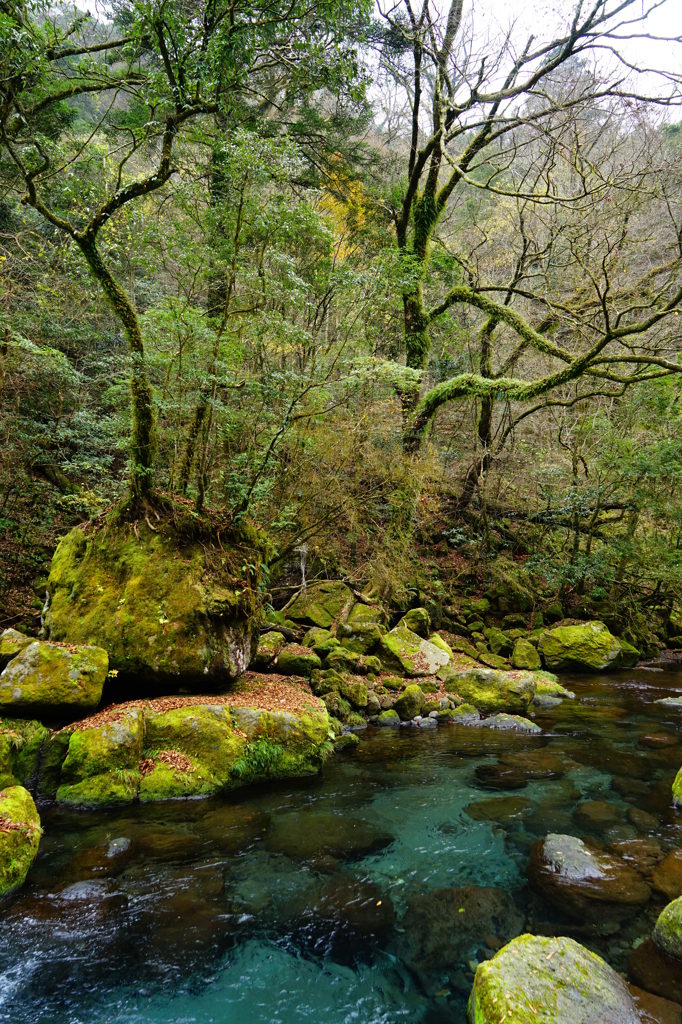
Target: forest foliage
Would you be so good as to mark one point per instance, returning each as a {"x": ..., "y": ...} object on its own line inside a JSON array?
[{"x": 400, "y": 286}]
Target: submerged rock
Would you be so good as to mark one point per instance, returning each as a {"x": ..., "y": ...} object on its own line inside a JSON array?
[
  {"x": 19, "y": 836},
  {"x": 667, "y": 934},
  {"x": 314, "y": 836},
  {"x": 586, "y": 646},
  {"x": 442, "y": 930},
  {"x": 667, "y": 875},
  {"x": 402, "y": 650},
  {"x": 161, "y": 605},
  {"x": 656, "y": 972},
  {"x": 47, "y": 675},
  {"x": 584, "y": 883},
  {"x": 491, "y": 690},
  {"x": 549, "y": 981}
]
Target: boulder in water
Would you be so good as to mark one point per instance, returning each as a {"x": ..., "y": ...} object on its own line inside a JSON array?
[
  {"x": 667, "y": 934},
  {"x": 585, "y": 883},
  {"x": 524, "y": 655},
  {"x": 587, "y": 646},
  {"x": 549, "y": 981},
  {"x": 19, "y": 836},
  {"x": 491, "y": 690}
]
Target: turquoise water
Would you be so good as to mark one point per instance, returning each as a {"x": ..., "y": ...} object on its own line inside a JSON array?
[{"x": 332, "y": 900}]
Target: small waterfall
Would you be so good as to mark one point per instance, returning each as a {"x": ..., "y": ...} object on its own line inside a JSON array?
[{"x": 303, "y": 552}]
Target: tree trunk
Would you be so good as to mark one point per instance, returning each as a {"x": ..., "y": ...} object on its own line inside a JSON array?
[{"x": 142, "y": 439}]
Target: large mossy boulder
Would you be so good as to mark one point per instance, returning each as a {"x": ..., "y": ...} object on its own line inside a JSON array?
[
  {"x": 585, "y": 647},
  {"x": 52, "y": 676},
  {"x": 491, "y": 690},
  {"x": 401, "y": 650},
  {"x": 182, "y": 748},
  {"x": 549, "y": 981},
  {"x": 162, "y": 605},
  {"x": 321, "y": 604},
  {"x": 21, "y": 743},
  {"x": 410, "y": 702},
  {"x": 19, "y": 836},
  {"x": 667, "y": 934}
]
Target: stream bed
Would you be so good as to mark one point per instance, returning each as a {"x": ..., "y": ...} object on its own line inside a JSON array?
[{"x": 366, "y": 895}]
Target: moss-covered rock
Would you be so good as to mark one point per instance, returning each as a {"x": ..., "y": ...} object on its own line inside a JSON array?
[
  {"x": 20, "y": 745},
  {"x": 677, "y": 789},
  {"x": 405, "y": 651},
  {"x": 524, "y": 656},
  {"x": 322, "y": 641},
  {"x": 418, "y": 620},
  {"x": 498, "y": 641},
  {"x": 410, "y": 702},
  {"x": 19, "y": 836},
  {"x": 389, "y": 718},
  {"x": 343, "y": 660},
  {"x": 548, "y": 689},
  {"x": 355, "y": 692},
  {"x": 189, "y": 751},
  {"x": 101, "y": 767},
  {"x": 361, "y": 638},
  {"x": 538, "y": 980},
  {"x": 588, "y": 646},
  {"x": 668, "y": 931},
  {"x": 161, "y": 605},
  {"x": 437, "y": 640},
  {"x": 365, "y": 614},
  {"x": 47, "y": 675},
  {"x": 11, "y": 643},
  {"x": 296, "y": 660},
  {"x": 512, "y": 723},
  {"x": 269, "y": 646},
  {"x": 323, "y": 604},
  {"x": 629, "y": 655},
  {"x": 280, "y": 744},
  {"x": 491, "y": 690}
]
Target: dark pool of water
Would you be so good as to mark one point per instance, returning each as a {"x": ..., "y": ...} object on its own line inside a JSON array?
[{"x": 332, "y": 900}]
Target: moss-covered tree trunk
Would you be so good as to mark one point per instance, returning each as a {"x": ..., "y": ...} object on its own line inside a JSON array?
[{"x": 142, "y": 439}]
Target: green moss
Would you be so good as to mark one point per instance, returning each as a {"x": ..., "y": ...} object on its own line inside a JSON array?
[
  {"x": 498, "y": 641},
  {"x": 361, "y": 638},
  {"x": 410, "y": 702},
  {"x": 524, "y": 655},
  {"x": 490, "y": 690},
  {"x": 587, "y": 646},
  {"x": 323, "y": 604},
  {"x": 677, "y": 789},
  {"x": 354, "y": 691},
  {"x": 389, "y": 718},
  {"x": 102, "y": 763},
  {"x": 262, "y": 759},
  {"x": 21, "y": 743},
  {"x": 361, "y": 614},
  {"x": 12, "y": 642},
  {"x": 438, "y": 641},
  {"x": 44, "y": 675},
  {"x": 405, "y": 651},
  {"x": 418, "y": 620},
  {"x": 537, "y": 980},
  {"x": 19, "y": 838},
  {"x": 295, "y": 660},
  {"x": 668, "y": 931},
  {"x": 304, "y": 739},
  {"x": 269, "y": 646},
  {"x": 157, "y": 603}
]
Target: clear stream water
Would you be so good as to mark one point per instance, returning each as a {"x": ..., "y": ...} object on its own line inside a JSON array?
[{"x": 321, "y": 900}]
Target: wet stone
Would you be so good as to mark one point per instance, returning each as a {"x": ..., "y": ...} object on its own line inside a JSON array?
[
  {"x": 503, "y": 808},
  {"x": 642, "y": 854},
  {"x": 654, "y": 1009},
  {"x": 655, "y": 972},
  {"x": 642, "y": 820},
  {"x": 309, "y": 836},
  {"x": 667, "y": 876},
  {"x": 597, "y": 815},
  {"x": 443, "y": 930},
  {"x": 499, "y": 776}
]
